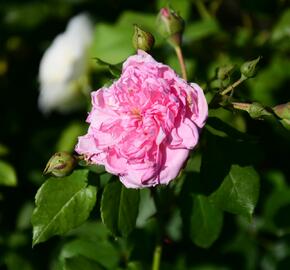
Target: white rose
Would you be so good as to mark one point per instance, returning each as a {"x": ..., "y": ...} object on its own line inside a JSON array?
[{"x": 63, "y": 67}]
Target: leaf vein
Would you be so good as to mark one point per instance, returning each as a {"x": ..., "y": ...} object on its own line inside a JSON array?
[{"x": 57, "y": 214}]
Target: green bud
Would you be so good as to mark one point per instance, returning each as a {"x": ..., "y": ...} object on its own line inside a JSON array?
[
  {"x": 283, "y": 111},
  {"x": 60, "y": 164},
  {"x": 248, "y": 69},
  {"x": 256, "y": 110},
  {"x": 142, "y": 40},
  {"x": 170, "y": 25},
  {"x": 285, "y": 123},
  {"x": 224, "y": 72}
]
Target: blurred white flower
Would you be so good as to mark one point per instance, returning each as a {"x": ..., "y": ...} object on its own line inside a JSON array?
[{"x": 64, "y": 67}]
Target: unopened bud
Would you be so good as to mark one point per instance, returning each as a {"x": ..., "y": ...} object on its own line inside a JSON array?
[
  {"x": 60, "y": 164},
  {"x": 256, "y": 110},
  {"x": 248, "y": 69},
  {"x": 142, "y": 40},
  {"x": 283, "y": 111},
  {"x": 170, "y": 25},
  {"x": 285, "y": 123}
]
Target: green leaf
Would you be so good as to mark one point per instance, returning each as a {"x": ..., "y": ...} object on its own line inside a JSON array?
[
  {"x": 239, "y": 192},
  {"x": 112, "y": 44},
  {"x": 91, "y": 230},
  {"x": 115, "y": 70},
  {"x": 7, "y": 175},
  {"x": 147, "y": 207},
  {"x": 119, "y": 208},
  {"x": 80, "y": 262},
  {"x": 206, "y": 222},
  {"x": 61, "y": 205},
  {"x": 201, "y": 29},
  {"x": 101, "y": 252}
]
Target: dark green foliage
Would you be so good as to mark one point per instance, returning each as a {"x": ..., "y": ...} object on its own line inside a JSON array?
[{"x": 119, "y": 208}]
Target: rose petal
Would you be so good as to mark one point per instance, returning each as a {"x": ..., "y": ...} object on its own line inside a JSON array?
[
  {"x": 202, "y": 106},
  {"x": 175, "y": 159}
]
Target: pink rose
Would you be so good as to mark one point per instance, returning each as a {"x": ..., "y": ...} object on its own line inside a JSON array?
[{"x": 143, "y": 126}]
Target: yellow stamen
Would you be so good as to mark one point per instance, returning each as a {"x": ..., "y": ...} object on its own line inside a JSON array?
[
  {"x": 136, "y": 111},
  {"x": 189, "y": 99}
]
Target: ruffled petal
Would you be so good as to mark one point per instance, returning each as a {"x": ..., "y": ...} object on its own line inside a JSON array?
[
  {"x": 202, "y": 107},
  {"x": 175, "y": 159}
]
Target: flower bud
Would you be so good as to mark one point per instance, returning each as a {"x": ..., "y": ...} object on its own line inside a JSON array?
[
  {"x": 60, "y": 164},
  {"x": 142, "y": 40},
  {"x": 170, "y": 25},
  {"x": 256, "y": 110},
  {"x": 248, "y": 69},
  {"x": 283, "y": 111}
]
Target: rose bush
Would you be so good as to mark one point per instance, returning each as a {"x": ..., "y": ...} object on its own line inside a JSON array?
[{"x": 143, "y": 126}]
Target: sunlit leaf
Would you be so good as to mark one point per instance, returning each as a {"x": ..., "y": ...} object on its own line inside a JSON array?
[
  {"x": 61, "y": 205},
  {"x": 239, "y": 192}
]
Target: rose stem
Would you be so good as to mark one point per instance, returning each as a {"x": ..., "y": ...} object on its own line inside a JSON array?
[
  {"x": 241, "y": 106},
  {"x": 158, "y": 247},
  {"x": 181, "y": 61},
  {"x": 232, "y": 86},
  {"x": 157, "y": 257}
]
